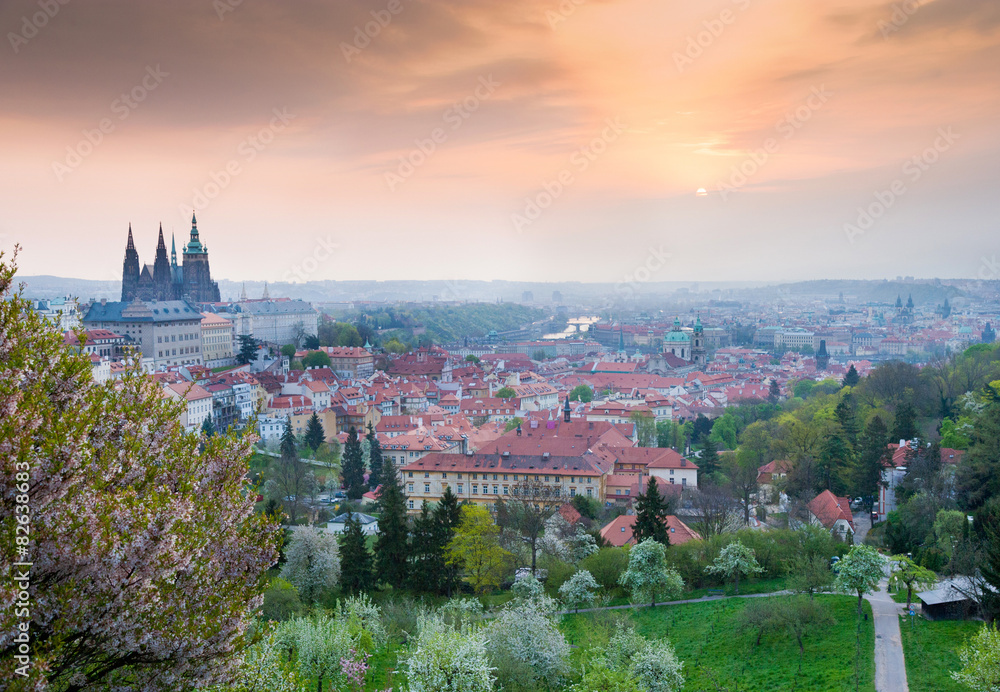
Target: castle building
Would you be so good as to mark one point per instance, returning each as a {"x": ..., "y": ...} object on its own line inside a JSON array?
[{"x": 165, "y": 279}]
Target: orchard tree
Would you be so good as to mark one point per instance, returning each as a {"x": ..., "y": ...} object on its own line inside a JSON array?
[
  {"x": 527, "y": 648},
  {"x": 860, "y": 572},
  {"x": 448, "y": 659},
  {"x": 652, "y": 664},
  {"x": 147, "y": 555},
  {"x": 734, "y": 561},
  {"x": 648, "y": 574},
  {"x": 580, "y": 589},
  {"x": 312, "y": 562},
  {"x": 906, "y": 572},
  {"x": 980, "y": 658}
]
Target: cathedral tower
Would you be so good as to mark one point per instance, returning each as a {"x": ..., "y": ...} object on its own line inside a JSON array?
[
  {"x": 162, "y": 275},
  {"x": 130, "y": 270},
  {"x": 198, "y": 284}
]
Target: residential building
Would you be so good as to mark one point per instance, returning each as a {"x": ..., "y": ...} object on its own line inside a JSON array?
[
  {"x": 217, "y": 340},
  {"x": 168, "y": 332}
]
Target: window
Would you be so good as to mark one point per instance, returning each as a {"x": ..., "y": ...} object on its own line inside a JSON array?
[
  {"x": 618, "y": 491},
  {"x": 495, "y": 490},
  {"x": 546, "y": 479},
  {"x": 588, "y": 480},
  {"x": 426, "y": 474},
  {"x": 427, "y": 487},
  {"x": 494, "y": 478},
  {"x": 461, "y": 487},
  {"x": 475, "y": 489},
  {"x": 459, "y": 476},
  {"x": 409, "y": 488},
  {"x": 505, "y": 476},
  {"x": 409, "y": 473},
  {"x": 411, "y": 504},
  {"x": 671, "y": 481},
  {"x": 572, "y": 492},
  {"x": 505, "y": 489},
  {"x": 590, "y": 492},
  {"x": 684, "y": 481},
  {"x": 671, "y": 472},
  {"x": 475, "y": 476},
  {"x": 443, "y": 476}
]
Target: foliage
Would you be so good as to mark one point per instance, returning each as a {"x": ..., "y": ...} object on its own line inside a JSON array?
[
  {"x": 526, "y": 511},
  {"x": 708, "y": 462},
  {"x": 588, "y": 507},
  {"x": 316, "y": 359},
  {"x": 906, "y": 573},
  {"x": 583, "y": 393},
  {"x": 446, "y": 659},
  {"x": 651, "y": 516},
  {"x": 526, "y": 648},
  {"x": 648, "y": 574},
  {"x": 281, "y": 601},
  {"x": 375, "y": 459},
  {"x": 579, "y": 590},
  {"x": 980, "y": 659},
  {"x": 312, "y": 562},
  {"x": 652, "y": 664},
  {"x": 645, "y": 428},
  {"x": 810, "y": 574},
  {"x": 392, "y": 552},
  {"x": 852, "y": 377},
  {"x": 513, "y": 424},
  {"x": 315, "y": 435},
  {"x": 860, "y": 571},
  {"x": 356, "y": 568},
  {"x": 506, "y": 393},
  {"x": 607, "y": 566},
  {"x": 353, "y": 467},
  {"x": 602, "y": 679},
  {"x": 873, "y": 458},
  {"x": 734, "y": 561},
  {"x": 263, "y": 667},
  {"x": 248, "y": 349},
  {"x": 147, "y": 554},
  {"x": 319, "y": 642},
  {"x": 476, "y": 548}
]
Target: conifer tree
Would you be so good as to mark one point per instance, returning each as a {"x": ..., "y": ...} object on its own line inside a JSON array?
[
  {"x": 374, "y": 458},
  {"x": 651, "y": 516},
  {"x": 873, "y": 457},
  {"x": 427, "y": 561},
  {"x": 852, "y": 377},
  {"x": 392, "y": 550},
  {"x": 354, "y": 467},
  {"x": 447, "y": 516},
  {"x": 848, "y": 419},
  {"x": 289, "y": 452},
  {"x": 208, "y": 427},
  {"x": 708, "y": 462},
  {"x": 905, "y": 424},
  {"x": 315, "y": 435},
  {"x": 355, "y": 559}
]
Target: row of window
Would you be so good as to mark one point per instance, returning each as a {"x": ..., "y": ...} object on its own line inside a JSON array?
[
  {"x": 524, "y": 476},
  {"x": 184, "y": 350},
  {"x": 496, "y": 490},
  {"x": 173, "y": 337}
]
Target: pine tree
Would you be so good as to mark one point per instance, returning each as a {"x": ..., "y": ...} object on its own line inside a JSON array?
[
  {"x": 852, "y": 377},
  {"x": 374, "y": 458},
  {"x": 354, "y": 466},
  {"x": 427, "y": 561},
  {"x": 836, "y": 460},
  {"x": 208, "y": 427},
  {"x": 355, "y": 559},
  {"x": 315, "y": 435},
  {"x": 651, "y": 516},
  {"x": 708, "y": 462},
  {"x": 873, "y": 457},
  {"x": 392, "y": 551},
  {"x": 905, "y": 425},
  {"x": 288, "y": 449},
  {"x": 848, "y": 419},
  {"x": 774, "y": 393},
  {"x": 447, "y": 515}
]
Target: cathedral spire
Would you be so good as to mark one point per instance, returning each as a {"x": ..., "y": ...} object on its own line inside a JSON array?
[
  {"x": 160, "y": 245},
  {"x": 243, "y": 293},
  {"x": 130, "y": 245},
  {"x": 194, "y": 245},
  {"x": 173, "y": 250}
]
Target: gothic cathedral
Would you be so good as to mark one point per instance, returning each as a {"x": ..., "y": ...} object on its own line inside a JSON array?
[{"x": 165, "y": 279}]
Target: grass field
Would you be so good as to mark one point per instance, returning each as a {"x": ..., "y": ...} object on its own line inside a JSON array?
[
  {"x": 931, "y": 654},
  {"x": 719, "y": 656}
]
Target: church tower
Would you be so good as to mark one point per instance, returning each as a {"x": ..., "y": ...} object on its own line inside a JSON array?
[
  {"x": 130, "y": 270},
  {"x": 161, "y": 271},
  {"x": 198, "y": 284},
  {"x": 699, "y": 352}
]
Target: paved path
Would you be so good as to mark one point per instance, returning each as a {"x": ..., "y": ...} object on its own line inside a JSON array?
[
  {"x": 703, "y": 599},
  {"x": 890, "y": 667}
]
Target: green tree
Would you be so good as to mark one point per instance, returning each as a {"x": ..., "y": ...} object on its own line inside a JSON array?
[
  {"x": 836, "y": 461},
  {"x": 708, "y": 462},
  {"x": 810, "y": 573},
  {"x": 852, "y": 377},
  {"x": 148, "y": 559},
  {"x": 977, "y": 478},
  {"x": 208, "y": 427},
  {"x": 774, "y": 391},
  {"x": 734, "y": 561},
  {"x": 248, "y": 349},
  {"x": 356, "y": 574},
  {"x": 906, "y": 572},
  {"x": 538, "y": 355},
  {"x": 980, "y": 658},
  {"x": 315, "y": 435},
  {"x": 905, "y": 423},
  {"x": 392, "y": 552},
  {"x": 579, "y": 589},
  {"x": 447, "y": 516},
  {"x": 860, "y": 572},
  {"x": 354, "y": 466},
  {"x": 873, "y": 458},
  {"x": 506, "y": 393},
  {"x": 651, "y": 516},
  {"x": 472, "y": 359},
  {"x": 375, "y": 459},
  {"x": 316, "y": 359},
  {"x": 476, "y": 549},
  {"x": 427, "y": 560},
  {"x": 583, "y": 393},
  {"x": 645, "y": 428},
  {"x": 512, "y": 424},
  {"x": 648, "y": 574},
  {"x": 847, "y": 417},
  {"x": 724, "y": 431},
  {"x": 288, "y": 351}
]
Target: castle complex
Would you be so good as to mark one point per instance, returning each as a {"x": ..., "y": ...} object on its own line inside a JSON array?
[{"x": 166, "y": 279}]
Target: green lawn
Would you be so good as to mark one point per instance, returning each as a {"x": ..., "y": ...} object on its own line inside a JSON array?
[
  {"x": 930, "y": 648},
  {"x": 719, "y": 656}
]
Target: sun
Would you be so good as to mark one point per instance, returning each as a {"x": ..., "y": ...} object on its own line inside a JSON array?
[{"x": 702, "y": 192}]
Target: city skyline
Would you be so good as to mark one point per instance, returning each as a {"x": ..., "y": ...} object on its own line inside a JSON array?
[{"x": 620, "y": 112}]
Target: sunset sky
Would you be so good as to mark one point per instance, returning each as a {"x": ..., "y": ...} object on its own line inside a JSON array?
[{"x": 319, "y": 111}]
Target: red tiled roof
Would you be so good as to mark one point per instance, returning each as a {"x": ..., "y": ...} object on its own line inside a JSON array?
[
  {"x": 829, "y": 509},
  {"x": 618, "y": 532}
]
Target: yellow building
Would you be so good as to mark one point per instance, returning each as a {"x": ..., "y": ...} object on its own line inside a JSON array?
[{"x": 217, "y": 334}]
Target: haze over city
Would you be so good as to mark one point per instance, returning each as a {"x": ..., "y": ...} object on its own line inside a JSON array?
[{"x": 496, "y": 139}]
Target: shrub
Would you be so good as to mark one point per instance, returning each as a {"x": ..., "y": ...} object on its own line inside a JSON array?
[
  {"x": 281, "y": 601},
  {"x": 607, "y": 566}
]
